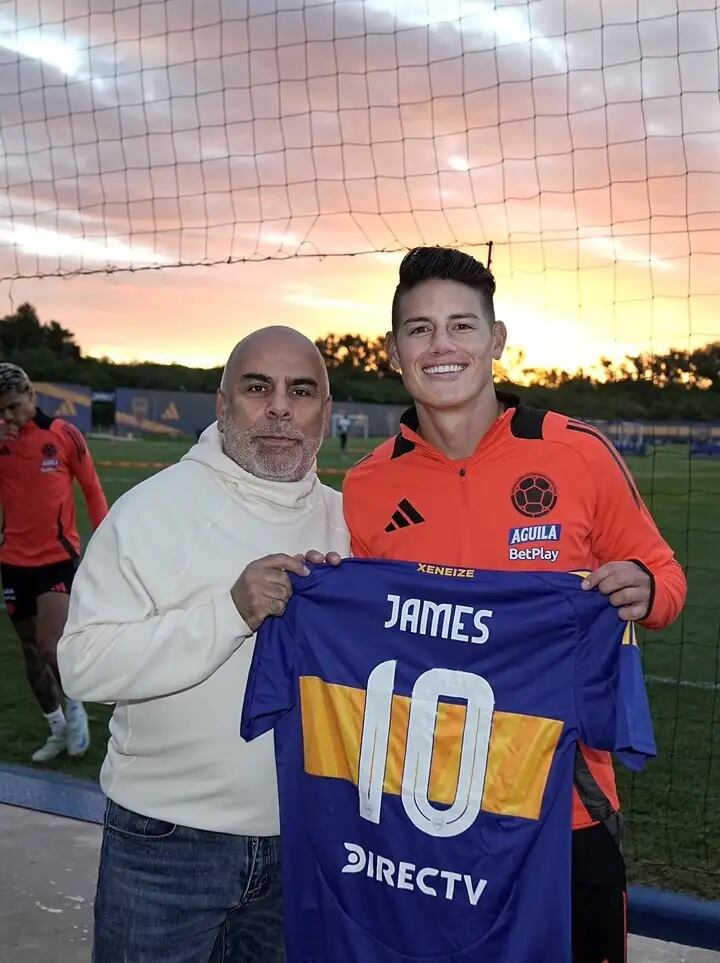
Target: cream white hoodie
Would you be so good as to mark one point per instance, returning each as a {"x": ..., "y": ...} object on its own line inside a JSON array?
[{"x": 153, "y": 629}]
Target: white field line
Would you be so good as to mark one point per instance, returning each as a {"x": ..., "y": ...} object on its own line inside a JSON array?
[{"x": 683, "y": 683}]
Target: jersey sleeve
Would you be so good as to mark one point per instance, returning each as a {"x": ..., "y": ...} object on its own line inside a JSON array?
[
  {"x": 623, "y": 528},
  {"x": 270, "y": 691},
  {"x": 610, "y": 696},
  {"x": 82, "y": 467}
]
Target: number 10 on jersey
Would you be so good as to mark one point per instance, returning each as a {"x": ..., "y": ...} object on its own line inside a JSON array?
[{"x": 476, "y": 692}]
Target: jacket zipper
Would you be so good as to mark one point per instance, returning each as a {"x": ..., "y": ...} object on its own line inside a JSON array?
[{"x": 464, "y": 514}]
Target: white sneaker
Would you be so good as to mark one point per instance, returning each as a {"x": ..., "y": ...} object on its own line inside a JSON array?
[
  {"x": 78, "y": 732},
  {"x": 55, "y": 746}
]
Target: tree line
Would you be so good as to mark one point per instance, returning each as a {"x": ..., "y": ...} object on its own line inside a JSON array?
[{"x": 676, "y": 385}]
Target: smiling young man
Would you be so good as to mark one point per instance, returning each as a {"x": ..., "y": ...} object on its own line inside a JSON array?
[{"x": 477, "y": 480}]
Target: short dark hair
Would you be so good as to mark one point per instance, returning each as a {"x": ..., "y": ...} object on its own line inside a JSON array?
[
  {"x": 442, "y": 264},
  {"x": 13, "y": 378}
]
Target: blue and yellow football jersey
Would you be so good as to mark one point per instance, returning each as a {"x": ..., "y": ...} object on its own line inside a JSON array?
[{"x": 425, "y": 725}]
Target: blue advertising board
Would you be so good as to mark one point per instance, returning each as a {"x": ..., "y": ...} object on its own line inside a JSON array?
[
  {"x": 69, "y": 401},
  {"x": 140, "y": 411}
]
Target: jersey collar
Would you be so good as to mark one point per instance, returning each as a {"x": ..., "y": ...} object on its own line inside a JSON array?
[
  {"x": 38, "y": 420},
  {"x": 41, "y": 419},
  {"x": 408, "y": 438}
]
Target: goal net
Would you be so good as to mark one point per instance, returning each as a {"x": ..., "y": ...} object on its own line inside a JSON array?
[{"x": 325, "y": 139}]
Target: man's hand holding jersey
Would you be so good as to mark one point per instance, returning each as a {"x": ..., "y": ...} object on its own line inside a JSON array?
[
  {"x": 628, "y": 587},
  {"x": 264, "y": 587}
]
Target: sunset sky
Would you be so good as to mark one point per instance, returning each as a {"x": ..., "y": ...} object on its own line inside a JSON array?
[{"x": 583, "y": 141}]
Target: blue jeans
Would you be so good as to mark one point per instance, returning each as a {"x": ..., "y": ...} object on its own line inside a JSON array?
[{"x": 170, "y": 894}]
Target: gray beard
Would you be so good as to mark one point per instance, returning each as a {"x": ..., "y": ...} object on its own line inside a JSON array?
[{"x": 246, "y": 449}]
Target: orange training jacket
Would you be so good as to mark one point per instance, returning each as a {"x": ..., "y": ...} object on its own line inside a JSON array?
[
  {"x": 541, "y": 492},
  {"x": 36, "y": 492}
]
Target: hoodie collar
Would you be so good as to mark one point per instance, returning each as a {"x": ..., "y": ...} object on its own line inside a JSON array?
[{"x": 290, "y": 495}]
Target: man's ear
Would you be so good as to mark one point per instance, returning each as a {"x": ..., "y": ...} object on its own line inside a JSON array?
[
  {"x": 221, "y": 403},
  {"x": 499, "y": 336},
  {"x": 391, "y": 350}
]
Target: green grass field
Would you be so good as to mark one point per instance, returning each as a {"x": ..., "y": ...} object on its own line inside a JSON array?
[{"x": 673, "y": 808}]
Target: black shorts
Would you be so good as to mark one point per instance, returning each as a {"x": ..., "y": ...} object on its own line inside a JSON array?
[
  {"x": 599, "y": 900},
  {"x": 22, "y": 586}
]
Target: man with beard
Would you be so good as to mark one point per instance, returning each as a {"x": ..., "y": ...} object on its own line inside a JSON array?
[{"x": 161, "y": 625}]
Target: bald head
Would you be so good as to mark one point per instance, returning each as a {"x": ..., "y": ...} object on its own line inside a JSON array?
[
  {"x": 277, "y": 337},
  {"x": 274, "y": 403}
]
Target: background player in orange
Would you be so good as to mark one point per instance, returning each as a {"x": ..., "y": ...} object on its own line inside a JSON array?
[
  {"x": 40, "y": 457},
  {"x": 476, "y": 479}
]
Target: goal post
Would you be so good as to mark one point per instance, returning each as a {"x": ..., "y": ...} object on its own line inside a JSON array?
[
  {"x": 359, "y": 425},
  {"x": 630, "y": 438},
  {"x": 627, "y": 436}
]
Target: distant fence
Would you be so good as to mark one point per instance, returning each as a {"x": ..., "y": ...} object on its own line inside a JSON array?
[
  {"x": 175, "y": 413},
  {"x": 663, "y": 432},
  {"x": 383, "y": 420},
  {"x": 163, "y": 412},
  {"x": 69, "y": 401},
  {"x": 187, "y": 412},
  {"x": 180, "y": 412},
  {"x": 639, "y": 437}
]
